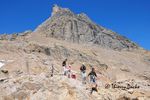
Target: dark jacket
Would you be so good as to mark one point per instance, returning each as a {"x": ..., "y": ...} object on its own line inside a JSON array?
[{"x": 92, "y": 73}]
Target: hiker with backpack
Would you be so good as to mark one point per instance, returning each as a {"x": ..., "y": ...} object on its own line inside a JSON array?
[
  {"x": 70, "y": 73},
  {"x": 64, "y": 65},
  {"x": 93, "y": 76},
  {"x": 83, "y": 73}
]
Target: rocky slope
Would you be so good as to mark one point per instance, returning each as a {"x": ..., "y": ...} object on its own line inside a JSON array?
[{"x": 25, "y": 62}]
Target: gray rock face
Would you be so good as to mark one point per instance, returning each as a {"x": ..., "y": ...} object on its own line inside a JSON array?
[{"x": 65, "y": 25}]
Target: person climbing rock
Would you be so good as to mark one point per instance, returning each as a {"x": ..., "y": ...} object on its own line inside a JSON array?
[
  {"x": 64, "y": 65},
  {"x": 94, "y": 88},
  {"x": 83, "y": 73},
  {"x": 93, "y": 76}
]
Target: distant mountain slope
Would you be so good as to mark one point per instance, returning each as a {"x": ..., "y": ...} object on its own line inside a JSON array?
[{"x": 65, "y": 25}]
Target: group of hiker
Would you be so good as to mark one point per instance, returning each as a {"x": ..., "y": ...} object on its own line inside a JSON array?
[
  {"x": 69, "y": 73},
  {"x": 92, "y": 74}
]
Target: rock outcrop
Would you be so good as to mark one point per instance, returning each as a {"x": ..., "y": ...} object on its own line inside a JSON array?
[
  {"x": 65, "y": 25},
  {"x": 14, "y": 36}
]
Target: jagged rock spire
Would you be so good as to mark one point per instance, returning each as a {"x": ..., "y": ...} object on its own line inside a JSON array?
[{"x": 57, "y": 9}]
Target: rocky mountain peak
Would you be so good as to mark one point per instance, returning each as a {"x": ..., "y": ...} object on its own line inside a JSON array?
[
  {"x": 57, "y": 9},
  {"x": 78, "y": 28}
]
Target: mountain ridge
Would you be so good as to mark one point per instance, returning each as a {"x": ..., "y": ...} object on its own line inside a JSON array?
[{"x": 65, "y": 25}]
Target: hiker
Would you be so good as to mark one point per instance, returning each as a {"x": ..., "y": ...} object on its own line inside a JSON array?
[
  {"x": 64, "y": 65},
  {"x": 83, "y": 73},
  {"x": 94, "y": 88},
  {"x": 68, "y": 71},
  {"x": 93, "y": 76},
  {"x": 52, "y": 70}
]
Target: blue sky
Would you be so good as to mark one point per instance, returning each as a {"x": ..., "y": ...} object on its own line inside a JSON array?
[{"x": 130, "y": 18}]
